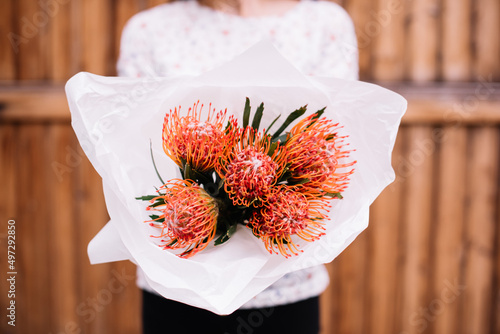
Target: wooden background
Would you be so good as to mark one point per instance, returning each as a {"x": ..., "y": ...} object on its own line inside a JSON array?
[{"x": 428, "y": 263}]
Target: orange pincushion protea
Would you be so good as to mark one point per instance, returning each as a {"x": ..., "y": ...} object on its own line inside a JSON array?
[
  {"x": 278, "y": 185},
  {"x": 188, "y": 219},
  {"x": 249, "y": 171},
  {"x": 314, "y": 151},
  {"x": 289, "y": 212},
  {"x": 195, "y": 142}
]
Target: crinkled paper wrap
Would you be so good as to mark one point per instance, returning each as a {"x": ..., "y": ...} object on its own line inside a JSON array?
[{"x": 116, "y": 118}]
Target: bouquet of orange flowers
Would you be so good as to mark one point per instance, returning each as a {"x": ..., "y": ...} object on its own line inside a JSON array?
[
  {"x": 282, "y": 189},
  {"x": 278, "y": 185}
]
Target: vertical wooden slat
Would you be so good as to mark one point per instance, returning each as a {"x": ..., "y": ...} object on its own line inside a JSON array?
[
  {"x": 389, "y": 47},
  {"x": 36, "y": 172},
  {"x": 11, "y": 40},
  {"x": 91, "y": 216},
  {"x": 31, "y": 232},
  {"x": 23, "y": 235},
  {"x": 127, "y": 305},
  {"x": 423, "y": 40},
  {"x": 61, "y": 41},
  {"x": 31, "y": 22},
  {"x": 350, "y": 286},
  {"x": 487, "y": 43},
  {"x": 367, "y": 30},
  {"x": 398, "y": 155},
  {"x": 482, "y": 191},
  {"x": 106, "y": 303},
  {"x": 443, "y": 307},
  {"x": 495, "y": 311},
  {"x": 8, "y": 210},
  {"x": 330, "y": 314},
  {"x": 327, "y": 304},
  {"x": 417, "y": 171},
  {"x": 384, "y": 231},
  {"x": 97, "y": 37},
  {"x": 77, "y": 37},
  {"x": 63, "y": 267},
  {"x": 7, "y": 172},
  {"x": 456, "y": 41},
  {"x": 44, "y": 42}
]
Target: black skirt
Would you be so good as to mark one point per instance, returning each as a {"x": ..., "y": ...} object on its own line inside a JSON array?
[{"x": 160, "y": 315}]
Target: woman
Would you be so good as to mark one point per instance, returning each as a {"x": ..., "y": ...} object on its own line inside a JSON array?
[{"x": 190, "y": 37}]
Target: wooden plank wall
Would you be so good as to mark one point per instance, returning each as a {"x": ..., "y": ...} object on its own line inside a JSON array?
[
  {"x": 428, "y": 263},
  {"x": 399, "y": 40}
]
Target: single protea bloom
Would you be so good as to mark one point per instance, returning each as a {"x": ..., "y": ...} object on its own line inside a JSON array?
[
  {"x": 314, "y": 152},
  {"x": 188, "y": 139},
  {"x": 250, "y": 169},
  {"x": 188, "y": 217},
  {"x": 288, "y": 212}
]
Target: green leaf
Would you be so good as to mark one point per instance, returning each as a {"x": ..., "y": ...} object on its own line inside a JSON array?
[
  {"x": 246, "y": 113},
  {"x": 146, "y": 198},
  {"x": 220, "y": 184},
  {"x": 271, "y": 125},
  {"x": 154, "y": 164},
  {"x": 173, "y": 242},
  {"x": 316, "y": 115},
  {"x": 201, "y": 177},
  {"x": 226, "y": 236},
  {"x": 158, "y": 203},
  {"x": 285, "y": 175},
  {"x": 283, "y": 138},
  {"x": 334, "y": 195},
  {"x": 272, "y": 148},
  {"x": 157, "y": 218},
  {"x": 220, "y": 240},
  {"x": 257, "y": 117},
  {"x": 188, "y": 174},
  {"x": 330, "y": 137},
  {"x": 298, "y": 181},
  {"x": 292, "y": 117},
  {"x": 232, "y": 230},
  {"x": 228, "y": 127}
]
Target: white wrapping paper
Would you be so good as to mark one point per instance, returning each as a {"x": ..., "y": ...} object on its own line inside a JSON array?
[{"x": 115, "y": 119}]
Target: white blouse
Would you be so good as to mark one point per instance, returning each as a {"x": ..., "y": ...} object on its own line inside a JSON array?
[{"x": 185, "y": 38}]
